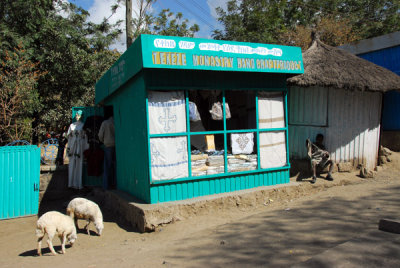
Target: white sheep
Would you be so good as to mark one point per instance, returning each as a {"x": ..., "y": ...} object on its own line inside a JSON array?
[
  {"x": 81, "y": 208},
  {"x": 55, "y": 223}
]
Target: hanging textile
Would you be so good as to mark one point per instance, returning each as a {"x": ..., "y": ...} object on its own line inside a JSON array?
[
  {"x": 169, "y": 158},
  {"x": 242, "y": 143},
  {"x": 193, "y": 112},
  {"x": 272, "y": 149},
  {"x": 77, "y": 144},
  {"x": 217, "y": 111},
  {"x": 271, "y": 110},
  {"x": 167, "y": 112}
]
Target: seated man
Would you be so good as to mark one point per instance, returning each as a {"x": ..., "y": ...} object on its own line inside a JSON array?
[{"x": 319, "y": 157}]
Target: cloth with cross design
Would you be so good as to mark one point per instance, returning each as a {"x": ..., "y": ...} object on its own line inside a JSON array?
[
  {"x": 167, "y": 112},
  {"x": 169, "y": 158},
  {"x": 169, "y": 155}
]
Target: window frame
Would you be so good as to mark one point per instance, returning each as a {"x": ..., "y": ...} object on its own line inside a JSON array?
[{"x": 225, "y": 132}]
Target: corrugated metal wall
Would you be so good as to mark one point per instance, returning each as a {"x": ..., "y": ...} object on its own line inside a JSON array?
[
  {"x": 315, "y": 115},
  {"x": 352, "y": 127},
  {"x": 390, "y": 59},
  {"x": 190, "y": 189},
  {"x": 19, "y": 181},
  {"x": 131, "y": 138}
]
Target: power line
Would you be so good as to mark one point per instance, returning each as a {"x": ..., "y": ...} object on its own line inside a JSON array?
[
  {"x": 196, "y": 15},
  {"x": 199, "y": 7}
]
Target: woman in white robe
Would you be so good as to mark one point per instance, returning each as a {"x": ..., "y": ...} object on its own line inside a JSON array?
[{"x": 77, "y": 144}]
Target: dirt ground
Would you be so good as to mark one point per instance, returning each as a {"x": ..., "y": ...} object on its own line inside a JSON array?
[{"x": 278, "y": 234}]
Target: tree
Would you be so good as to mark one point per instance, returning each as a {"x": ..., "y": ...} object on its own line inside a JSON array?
[
  {"x": 144, "y": 22},
  {"x": 71, "y": 53},
  {"x": 252, "y": 21},
  {"x": 134, "y": 27},
  {"x": 18, "y": 95},
  {"x": 167, "y": 23},
  {"x": 272, "y": 21},
  {"x": 331, "y": 31}
]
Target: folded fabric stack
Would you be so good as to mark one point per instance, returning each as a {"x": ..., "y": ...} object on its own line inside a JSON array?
[
  {"x": 215, "y": 164},
  {"x": 199, "y": 167},
  {"x": 238, "y": 163}
]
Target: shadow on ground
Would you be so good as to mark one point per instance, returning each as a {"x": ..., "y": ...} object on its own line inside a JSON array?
[{"x": 285, "y": 237}]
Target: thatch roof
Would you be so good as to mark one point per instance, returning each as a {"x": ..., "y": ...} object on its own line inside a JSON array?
[{"x": 328, "y": 66}]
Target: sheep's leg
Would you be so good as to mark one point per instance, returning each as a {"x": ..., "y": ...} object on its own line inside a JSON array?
[
  {"x": 39, "y": 248},
  {"x": 63, "y": 239},
  {"x": 76, "y": 223},
  {"x": 50, "y": 238},
  {"x": 87, "y": 227}
]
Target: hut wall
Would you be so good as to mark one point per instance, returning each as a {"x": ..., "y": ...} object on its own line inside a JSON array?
[
  {"x": 351, "y": 127},
  {"x": 131, "y": 138}
]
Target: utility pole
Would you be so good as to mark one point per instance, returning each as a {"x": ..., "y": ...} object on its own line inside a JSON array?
[{"x": 128, "y": 20}]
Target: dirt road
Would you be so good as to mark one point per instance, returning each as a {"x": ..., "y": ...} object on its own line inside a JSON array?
[{"x": 275, "y": 235}]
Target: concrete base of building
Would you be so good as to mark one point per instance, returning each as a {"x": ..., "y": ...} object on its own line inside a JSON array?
[{"x": 149, "y": 217}]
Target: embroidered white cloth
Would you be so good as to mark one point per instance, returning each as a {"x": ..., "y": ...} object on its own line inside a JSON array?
[
  {"x": 272, "y": 149},
  {"x": 169, "y": 158},
  {"x": 242, "y": 143},
  {"x": 271, "y": 112},
  {"x": 167, "y": 112}
]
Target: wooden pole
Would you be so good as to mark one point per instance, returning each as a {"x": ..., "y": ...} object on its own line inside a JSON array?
[{"x": 129, "y": 25}]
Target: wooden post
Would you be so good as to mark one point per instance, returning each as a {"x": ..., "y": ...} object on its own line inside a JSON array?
[{"x": 128, "y": 20}]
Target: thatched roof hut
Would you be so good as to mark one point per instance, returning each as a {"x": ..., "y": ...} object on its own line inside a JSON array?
[
  {"x": 340, "y": 96},
  {"x": 328, "y": 66}
]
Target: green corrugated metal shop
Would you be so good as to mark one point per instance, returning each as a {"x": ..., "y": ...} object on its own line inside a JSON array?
[{"x": 227, "y": 100}]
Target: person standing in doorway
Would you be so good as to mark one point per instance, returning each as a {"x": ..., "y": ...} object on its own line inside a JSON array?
[{"x": 107, "y": 137}]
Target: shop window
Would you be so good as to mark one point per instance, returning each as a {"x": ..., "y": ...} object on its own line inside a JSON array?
[
  {"x": 273, "y": 149},
  {"x": 271, "y": 110},
  {"x": 215, "y": 147},
  {"x": 242, "y": 106},
  {"x": 243, "y": 153},
  {"x": 167, "y": 112},
  {"x": 204, "y": 110},
  {"x": 210, "y": 160},
  {"x": 169, "y": 158}
]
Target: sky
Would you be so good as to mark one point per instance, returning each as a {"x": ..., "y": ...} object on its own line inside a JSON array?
[{"x": 201, "y": 12}]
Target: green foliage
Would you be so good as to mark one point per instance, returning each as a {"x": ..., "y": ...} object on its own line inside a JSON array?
[
  {"x": 55, "y": 60},
  {"x": 70, "y": 52},
  {"x": 165, "y": 23},
  {"x": 269, "y": 21},
  {"x": 168, "y": 23},
  {"x": 19, "y": 98}
]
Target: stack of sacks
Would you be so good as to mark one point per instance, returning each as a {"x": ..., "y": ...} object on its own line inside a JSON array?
[
  {"x": 199, "y": 167},
  {"x": 215, "y": 164},
  {"x": 242, "y": 162}
]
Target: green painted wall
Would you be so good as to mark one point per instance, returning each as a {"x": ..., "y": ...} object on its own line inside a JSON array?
[
  {"x": 190, "y": 189},
  {"x": 131, "y": 138},
  {"x": 19, "y": 181}
]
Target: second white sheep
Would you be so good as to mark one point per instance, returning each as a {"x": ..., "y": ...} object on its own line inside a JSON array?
[{"x": 82, "y": 208}]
